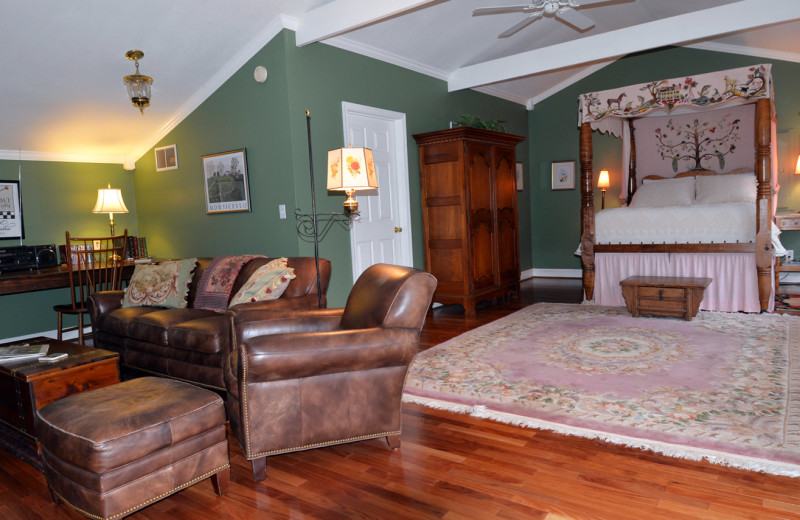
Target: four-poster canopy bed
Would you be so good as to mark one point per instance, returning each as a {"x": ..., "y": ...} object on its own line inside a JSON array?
[{"x": 698, "y": 164}]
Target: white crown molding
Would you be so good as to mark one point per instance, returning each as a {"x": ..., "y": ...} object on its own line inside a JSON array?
[
  {"x": 344, "y": 43},
  {"x": 15, "y": 155},
  {"x": 215, "y": 82},
  {"x": 747, "y": 51}
]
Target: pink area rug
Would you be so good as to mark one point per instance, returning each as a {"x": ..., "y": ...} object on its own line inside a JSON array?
[{"x": 724, "y": 387}]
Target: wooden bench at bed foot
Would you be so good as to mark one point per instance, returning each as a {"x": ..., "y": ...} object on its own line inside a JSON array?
[{"x": 664, "y": 295}]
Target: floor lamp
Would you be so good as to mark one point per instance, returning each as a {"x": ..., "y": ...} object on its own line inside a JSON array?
[{"x": 349, "y": 169}]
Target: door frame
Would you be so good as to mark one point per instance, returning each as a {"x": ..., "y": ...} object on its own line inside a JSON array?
[{"x": 398, "y": 120}]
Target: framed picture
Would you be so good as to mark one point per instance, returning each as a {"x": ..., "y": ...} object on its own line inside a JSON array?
[
  {"x": 167, "y": 158},
  {"x": 226, "y": 183},
  {"x": 520, "y": 170},
  {"x": 563, "y": 173},
  {"x": 11, "y": 225}
]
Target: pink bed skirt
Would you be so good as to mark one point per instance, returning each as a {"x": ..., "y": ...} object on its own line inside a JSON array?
[{"x": 734, "y": 285}]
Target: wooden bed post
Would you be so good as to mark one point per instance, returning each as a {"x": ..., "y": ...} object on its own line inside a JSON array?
[
  {"x": 764, "y": 257},
  {"x": 631, "y": 166},
  {"x": 587, "y": 211}
]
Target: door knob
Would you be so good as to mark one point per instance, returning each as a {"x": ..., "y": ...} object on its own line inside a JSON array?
[{"x": 398, "y": 229}]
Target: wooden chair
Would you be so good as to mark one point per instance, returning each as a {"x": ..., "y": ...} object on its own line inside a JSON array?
[{"x": 94, "y": 264}]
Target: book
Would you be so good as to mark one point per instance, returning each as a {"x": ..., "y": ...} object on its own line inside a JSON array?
[{"x": 22, "y": 351}]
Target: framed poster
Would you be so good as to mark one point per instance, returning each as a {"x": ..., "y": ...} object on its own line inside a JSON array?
[
  {"x": 226, "y": 183},
  {"x": 563, "y": 173},
  {"x": 11, "y": 211},
  {"x": 167, "y": 158}
]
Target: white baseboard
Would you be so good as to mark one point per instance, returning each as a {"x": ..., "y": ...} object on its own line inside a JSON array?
[{"x": 557, "y": 273}]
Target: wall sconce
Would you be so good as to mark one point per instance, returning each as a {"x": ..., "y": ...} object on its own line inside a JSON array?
[
  {"x": 351, "y": 169},
  {"x": 603, "y": 183},
  {"x": 137, "y": 84},
  {"x": 110, "y": 201}
]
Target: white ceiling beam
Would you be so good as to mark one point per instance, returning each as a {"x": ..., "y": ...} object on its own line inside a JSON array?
[
  {"x": 342, "y": 16},
  {"x": 739, "y": 16}
]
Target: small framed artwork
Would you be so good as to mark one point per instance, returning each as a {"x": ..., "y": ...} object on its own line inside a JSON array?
[
  {"x": 11, "y": 225},
  {"x": 226, "y": 183},
  {"x": 520, "y": 170},
  {"x": 167, "y": 158},
  {"x": 563, "y": 173}
]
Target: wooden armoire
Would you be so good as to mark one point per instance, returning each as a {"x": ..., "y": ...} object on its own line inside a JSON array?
[{"x": 469, "y": 214}]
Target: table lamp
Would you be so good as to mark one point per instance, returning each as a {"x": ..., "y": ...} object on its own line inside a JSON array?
[
  {"x": 603, "y": 183},
  {"x": 110, "y": 201}
]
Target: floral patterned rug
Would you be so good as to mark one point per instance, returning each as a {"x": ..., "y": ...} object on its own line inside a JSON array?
[{"x": 724, "y": 387}]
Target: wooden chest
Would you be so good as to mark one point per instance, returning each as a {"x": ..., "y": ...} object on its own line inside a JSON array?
[{"x": 664, "y": 295}]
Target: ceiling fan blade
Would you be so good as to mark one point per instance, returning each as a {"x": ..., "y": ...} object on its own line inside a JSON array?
[
  {"x": 577, "y": 20},
  {"x": 497, "y": 10},
  {"x": 521, "y": 25},
  {"x": 586, "y": 3}
]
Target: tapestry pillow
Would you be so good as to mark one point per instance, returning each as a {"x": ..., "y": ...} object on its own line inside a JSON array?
[
  {"x": 268, "y": 282},
  {"x": 712, "y": 189},
  {"x": 669, "y": 192},
  {"x": 165, "y": 284},
  {"x": 217, "y": 282}
]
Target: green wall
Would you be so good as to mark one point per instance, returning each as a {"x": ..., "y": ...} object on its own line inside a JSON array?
[
  {"x": 554, "y": 136},
  {"x": 58, "y": 197},
  {"x": 269, "y": 121}
]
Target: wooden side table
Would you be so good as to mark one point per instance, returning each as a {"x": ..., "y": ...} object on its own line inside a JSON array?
[{"x": 664, "y": 295}]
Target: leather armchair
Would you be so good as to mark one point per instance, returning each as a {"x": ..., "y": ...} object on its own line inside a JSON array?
[{"x": 298, "y": 380}]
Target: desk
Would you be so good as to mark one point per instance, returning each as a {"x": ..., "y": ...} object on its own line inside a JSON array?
[{"x": 15, "y": 282}]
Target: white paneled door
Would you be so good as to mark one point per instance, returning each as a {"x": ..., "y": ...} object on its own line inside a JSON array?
[{"x": 383, "y": 232}]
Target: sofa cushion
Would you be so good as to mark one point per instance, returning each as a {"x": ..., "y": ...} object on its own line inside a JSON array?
[
  {"x": 267, "y": 283},
  {"x": 217, "y": 281},
  {"x": 208, "y": 335},
  {"x": 153, "y": 327},
  {"x": 117, "y": 321},
  {"x": 165, "y": 284}
]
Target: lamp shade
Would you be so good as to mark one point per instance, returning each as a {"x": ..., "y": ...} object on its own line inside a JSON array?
[
  {"x": 603, "y": 182},
  {"x": 109, "y": 200},
  {"x": 797, "y": 168},
  {"x": 351, "y": 169}
]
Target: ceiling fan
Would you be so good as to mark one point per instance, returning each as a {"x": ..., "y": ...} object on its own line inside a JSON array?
[{"x": 564, "y": 10}]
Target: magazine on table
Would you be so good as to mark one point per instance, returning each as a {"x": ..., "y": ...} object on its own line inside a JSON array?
[{"x": 23, "y": 351}]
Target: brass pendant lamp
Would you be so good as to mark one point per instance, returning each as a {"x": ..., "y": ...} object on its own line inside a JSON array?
[{"x": 138, "y": 85}]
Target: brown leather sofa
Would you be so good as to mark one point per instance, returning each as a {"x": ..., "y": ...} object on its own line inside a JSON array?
[
  {"x": 191, "y": 344},
  {"x": 305, "y": 379}
]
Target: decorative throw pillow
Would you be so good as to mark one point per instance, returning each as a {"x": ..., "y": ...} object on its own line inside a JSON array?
[
  {"x": 165, "y": 284},
  {"x": 217, "y": 281},
  {"x": 669, "y": 192},
  {"x": 268, "y": 282},
  {"x": 739, "y": 187}
]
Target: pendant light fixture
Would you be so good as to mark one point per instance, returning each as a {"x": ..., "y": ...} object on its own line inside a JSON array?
[{"x": 137, "y": 84}]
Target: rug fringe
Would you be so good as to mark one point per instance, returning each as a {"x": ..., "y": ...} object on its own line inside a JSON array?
[{"x": 670, "y": 450}]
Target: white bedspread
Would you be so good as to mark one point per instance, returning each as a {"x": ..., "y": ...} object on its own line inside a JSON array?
[{"x": 696, "y": 224}]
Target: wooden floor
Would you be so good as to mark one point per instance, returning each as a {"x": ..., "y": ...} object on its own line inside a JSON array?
[{"x": 456, "y": 467}]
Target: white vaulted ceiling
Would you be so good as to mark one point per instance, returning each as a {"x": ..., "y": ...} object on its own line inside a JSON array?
[{"x": 62, "y": 62}]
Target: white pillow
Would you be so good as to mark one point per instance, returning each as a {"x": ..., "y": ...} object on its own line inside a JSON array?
[
  {"x": 739, "y": 187},
  {"x": 669, "y": 192}
]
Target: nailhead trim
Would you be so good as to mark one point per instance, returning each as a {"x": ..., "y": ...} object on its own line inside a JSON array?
[
  {"x": 326, "y": 443},
  {"x": 146, "y": 503}
]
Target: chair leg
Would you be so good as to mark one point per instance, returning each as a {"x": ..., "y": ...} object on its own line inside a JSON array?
[
  {"x": 221, "y": 480},
  {"x": 393, "y": 441},
  {"x": 80, "y": 328},
  {"x": 60, "y": 321},
  {"x": 259, "y": 468}
]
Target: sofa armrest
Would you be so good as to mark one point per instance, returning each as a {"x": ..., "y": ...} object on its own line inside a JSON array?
[
  {"x": 104, "y": 302},
  {"x": 279, "y": 357}
]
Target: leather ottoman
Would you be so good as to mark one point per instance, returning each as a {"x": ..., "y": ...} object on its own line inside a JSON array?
[{"x": 114, "y": 450}]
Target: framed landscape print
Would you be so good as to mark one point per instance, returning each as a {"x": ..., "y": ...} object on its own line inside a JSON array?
[
  {"x": 10, "y": 211},
  {"x": 167, "y": 158},
  {"x": 226, "y": 183},
  {"x": 563, "y": 173}
]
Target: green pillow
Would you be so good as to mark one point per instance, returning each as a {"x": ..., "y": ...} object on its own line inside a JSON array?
[
  {"x": 268, "y": 282},
  {"x": 165, "y": 284}
]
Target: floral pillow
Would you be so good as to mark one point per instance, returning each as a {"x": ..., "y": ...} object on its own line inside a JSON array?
[
  {"x": 165, "y": 284},
  {"x": 268, "y": 282}
]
